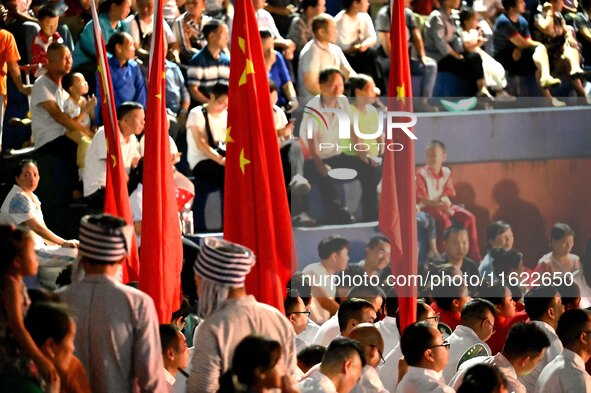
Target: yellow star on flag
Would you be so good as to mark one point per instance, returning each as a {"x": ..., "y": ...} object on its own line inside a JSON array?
[
  {"x": 243, "y": 161},
  {"x": 159, "y": 96},
  {"x": 113, "y": 157},
  {"x": 228, "y": 137},
  {"x": 104, "y": 82},
  {"x": 249, "y": 67},
  {"x": 400, "y": 93}
]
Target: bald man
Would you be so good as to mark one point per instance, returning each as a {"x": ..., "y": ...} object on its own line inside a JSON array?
[{"x": 372, "y": 342}]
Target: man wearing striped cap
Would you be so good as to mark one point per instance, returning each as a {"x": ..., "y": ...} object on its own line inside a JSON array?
[
  {"x": 117, "y": 336},
  {"x": 230, "y": 314}
]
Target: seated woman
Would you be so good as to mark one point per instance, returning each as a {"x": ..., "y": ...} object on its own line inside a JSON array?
[
  {"x": 444, "y": 44},
  {"x": 188, "y": 29},
  {"x": 22, "y": 206},
  {"x": 563, "y": 48},
  {"x": 127, "y": 78}
]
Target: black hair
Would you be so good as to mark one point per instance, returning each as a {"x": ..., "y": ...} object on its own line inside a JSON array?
[
  {"x": 465, "y": 14},
  {"x": 476, "y": 309},
  {"x": 105, "y": 6},
  {"x": 482, "y": 378},
  {"x": 272, "y": 87},
  {"x": 118, "y": 38},
  {"x": 252, "y": 353},
  {"x": 570, "y": 326},
  {"x": 569, "y": 293},
  {"x": 330, "y": 244},
  {"x": 127, "y": 107},
  {"x": 211, "y": 27},
  {"x": 560, "y": 230},
  {"x": 311, "y": 355},
  {"x": 525, "y": 339},
  {"x": 305, "y": 4},
  {"x": 415, "y": 340},
  {"x": 295, "y": 284},
  {"x": 509, "y": 4},
  {"x": 47, "y": 10},
  {"x": 67, "y": 81},
  {"x": 12, "y": 244},
  {"x": 435, "y": 143},
  {"x": 347, "y": 4},
  {"x": 495, "y": 229},
  {"x": 168, "y": 337},
  {"x": 18, "y": 169},
  {"x": 340, "y": 350},
  {"x": 265, "y": 34},
  {"x": 291, "y": 301},
  {"x": 54, "y": 47},
  {"x": 366, "y": 292},
  {"x": 391, "y": 302},
  {"x": 538, "y": 300},
  {"x": 445, "y": 294},
  {"x": 219, "y": 89},
  {"x": 327, "y": 73},
  {"x": 455, "y": 228},
  {"x": 374, "y": 241},
  {"x": 351, "y": 309},
  {"x": 422, "y": 312},
  {"x": 495, "y": 294},
  {"x": 47, "y": 320}
]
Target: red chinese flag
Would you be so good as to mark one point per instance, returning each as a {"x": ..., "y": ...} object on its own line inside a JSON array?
[
  {"x": 116, "y": 196},
  {"x": 398, "y": 204},
  {"x": 162, "y": 252},
  {"x": 256, "y": 212}
]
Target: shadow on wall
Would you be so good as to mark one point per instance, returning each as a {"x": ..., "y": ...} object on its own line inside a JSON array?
[
  {"x": 525, "y": 219},
  {"x": 466, "y": 196}
]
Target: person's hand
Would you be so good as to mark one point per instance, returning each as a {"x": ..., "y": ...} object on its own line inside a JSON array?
[
  {"x": 293, "y": 105},
  {"x": 72, "y": 243},
  {"x": 289, "y": 50},
  {"x": 26, "y": 89},
  {"x": 517, "y": 54},
  {"x": 222, "y": 161},
  {"x": 322, "y": 168},
  {"x": 181, "y": 119},
  {"x": 90, "y": 104},
  {"x": 546, "y": 7}
]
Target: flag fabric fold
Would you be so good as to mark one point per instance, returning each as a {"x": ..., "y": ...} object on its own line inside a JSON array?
[
  {"x": 256, "y": 211},
  {"x": 397, "y": 216},
  {"x": 162, "y": 254},
  {"x": 116, "y": 194}
]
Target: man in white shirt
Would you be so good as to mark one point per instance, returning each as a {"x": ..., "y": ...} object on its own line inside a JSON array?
[
  {"x": 331, "y": 328},
  {"x": 340, "y": 369},
  {"x": 352, "y": 312},
  {"x": 377, "y": 256},
  {"x": 469, "y": 338},
  {"x": 388, "y": 326},
  {"x": 175, "y": 352},
  {"x": 326, "y": 152},
  {"x": 544, "y": 308},
  {"x": 334, "y": 257},
  {"x": 523, "y": 350},
  {"x": 297, "y": 313},
  {"x": 319, "y": 54},
  {"x": 388, "y": 372},
  {"x": 426, "y": 353},
  {"x": 566, "y": 373},
  {"x": 370, "y": 339},
  {"x": 131, "y": 123}
]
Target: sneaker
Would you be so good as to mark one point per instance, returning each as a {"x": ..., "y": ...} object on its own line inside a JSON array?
[
  {"x": 549, "y": 82},
  {"x": 299, "y": 185},
  {"x": 303, "y": 220}
]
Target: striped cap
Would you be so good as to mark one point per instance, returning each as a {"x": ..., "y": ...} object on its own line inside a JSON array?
[
  {"x": 104, "y": 237},
  {"x": 224, "y": 262}
]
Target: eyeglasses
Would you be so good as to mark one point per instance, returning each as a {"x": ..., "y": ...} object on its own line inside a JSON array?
[
  {"x": 435, "y": 318},
  {"x": 300, "y": 312},
  {"x": 492, "y": 326},
  {"x": 445, "y": 344},
  {"x": 382, "y": 360}
]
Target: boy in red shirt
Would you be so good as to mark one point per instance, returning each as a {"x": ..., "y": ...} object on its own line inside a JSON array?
[{"x": 48, "y": 18}]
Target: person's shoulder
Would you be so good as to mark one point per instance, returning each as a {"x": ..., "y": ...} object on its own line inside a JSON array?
[
  {"x": 445, "y": 171},
  {"x": 339, "y": 17}
]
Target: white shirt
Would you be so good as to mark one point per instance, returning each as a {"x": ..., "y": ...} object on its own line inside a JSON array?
[
  {"x": 555, "y": 349},
  {"x": 353, "y": 30},
  {"x": 389, "y": 332},
  {"x": 43, "y": 126},
  {"x": 148, "y": 28},
  {"x": 461, "y": 340},
  {"x": 316, "y": 57},
  {"x": 95, "y": 166},
  {"x": 309, "y": 333},
  {"x": 266, "y": 22},
  {"x": 328, "y": 331},
  {"x": 565, "y": 374},
  {"x": 584, "y": 289},
  {"x": 196, "y": 121},
  {"x": 329, "y": 134},
  {"x": 369, "y": 382},
  {"x": 19, "y": 207},
  {"x": 388, "y": 371},
  {"x": 500, "y": 362},
  {"x": 573, "y": 264},
  {"x": 317, "y": 383},
  {"x": 422, "y": 380}
]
